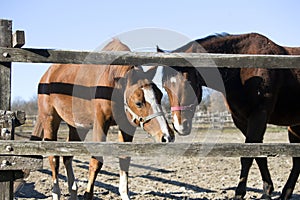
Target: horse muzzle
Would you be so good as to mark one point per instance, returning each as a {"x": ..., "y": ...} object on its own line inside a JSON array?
[
  {"x": 168, "y": 138},
  {"x": 184, "y": 128}
]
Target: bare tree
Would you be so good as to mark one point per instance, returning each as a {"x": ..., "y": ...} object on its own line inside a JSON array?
[{"x": 30, "y": 107}]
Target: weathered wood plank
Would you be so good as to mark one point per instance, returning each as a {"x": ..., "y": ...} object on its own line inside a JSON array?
[
  {"x": 5, "y": 66},
  {"x": 148, "y": 149},
  {"x": 148, "y": 58},
  {"x": 18, "y": 39},
  {"x": 6, "y": 188},
  {"x": 20, "y": 162}
]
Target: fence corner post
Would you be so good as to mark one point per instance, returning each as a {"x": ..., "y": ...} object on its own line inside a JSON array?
[{"x": 6, "y": 188}]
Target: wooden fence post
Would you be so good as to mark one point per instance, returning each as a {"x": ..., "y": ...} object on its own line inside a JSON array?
[{"x": 6, "y": 188}]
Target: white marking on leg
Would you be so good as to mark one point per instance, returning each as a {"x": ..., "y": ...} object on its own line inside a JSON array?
[
  {"x": 123, "y": 186},
  {"x": 72, "y": 185}
]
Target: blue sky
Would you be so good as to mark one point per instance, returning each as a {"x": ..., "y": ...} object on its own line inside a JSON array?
[{"x": 83, "y": 25}]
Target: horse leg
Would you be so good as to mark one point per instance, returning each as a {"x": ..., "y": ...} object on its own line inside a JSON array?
[
  {"x": 254, "y": 132},
  {"x": 124, "y": 166},
  {"x": 240, "y": 191},
  {"x": 246, "y": 163},
  {"x": 268, "y": 186},
  {"x": 54, "y": 165},
  {"x": 50, "y": 127},
  {"x": 74, "y": 135},
  {"x": 294, "y": 137},
  {"x": 37, "y": 133},
  {"x": 99, "y": 135}
]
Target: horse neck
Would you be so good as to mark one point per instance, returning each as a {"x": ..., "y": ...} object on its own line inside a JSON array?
[
  {"x": 119, "y": 71},
  {"x": 219, "y": 78}
]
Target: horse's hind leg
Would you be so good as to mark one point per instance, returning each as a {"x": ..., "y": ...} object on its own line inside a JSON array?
[
  {"x": 37, "y": 133},
  {"x": 50, "y": 125},
  {"x": 247, "y": 162},
  {"x": 124, "y": 166},
  {"x": 294, "y": 137},
  {"x": 74, "y": 135}
]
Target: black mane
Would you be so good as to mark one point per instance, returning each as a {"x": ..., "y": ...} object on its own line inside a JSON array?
[{"x": 210, "y": 37}]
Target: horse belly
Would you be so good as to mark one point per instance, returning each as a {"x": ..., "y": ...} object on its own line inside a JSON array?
[
  {"x": 287, "y": 108},
  {"x": 74, "y": 111}
]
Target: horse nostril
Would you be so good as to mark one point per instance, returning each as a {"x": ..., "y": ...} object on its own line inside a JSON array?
[{"x": 165, "y": 139}]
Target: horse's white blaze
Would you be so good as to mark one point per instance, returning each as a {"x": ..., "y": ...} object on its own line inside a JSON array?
[
  {"x": 176, "y": 124},
  {"x": 150, "y": 98},
  {"x": 173, "y": 80}
]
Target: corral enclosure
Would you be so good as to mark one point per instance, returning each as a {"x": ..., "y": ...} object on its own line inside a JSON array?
[
  {"x": 187, "y": 160},
  {"x": 168, "y": 177}
]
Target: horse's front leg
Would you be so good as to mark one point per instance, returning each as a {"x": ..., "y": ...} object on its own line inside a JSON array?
[
  {"x": 99, "y": 135},
  {"x": 95, "y": 166},
  {"x": 124, "y": 167}
]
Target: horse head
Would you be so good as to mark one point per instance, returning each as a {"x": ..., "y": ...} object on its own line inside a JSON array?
[
  {"x": 185, "y": 93},
  {"x": 142, "y": 101}
]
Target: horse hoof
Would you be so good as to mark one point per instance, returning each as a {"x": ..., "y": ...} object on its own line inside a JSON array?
[
  {"x": 125, "y": 197},
  {"x": 55, "y": 196},
  {"x": 88, "y": 196},
  {"x": 238, "y": 197},
  {"x": 286, "y": 194},
  {"x": 266, "y": 197},
  {"x": 73, "y": 197}
]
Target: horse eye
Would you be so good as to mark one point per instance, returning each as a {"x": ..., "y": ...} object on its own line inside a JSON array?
[{"x": 139, "y": 104}]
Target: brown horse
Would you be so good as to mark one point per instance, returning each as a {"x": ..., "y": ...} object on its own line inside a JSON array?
[
  {"x": 97, "y": 97},
  {"x": 255, "y": 97}
]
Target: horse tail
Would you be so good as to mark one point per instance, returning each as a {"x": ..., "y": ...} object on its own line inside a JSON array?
[{"x": 37, "y": 134}]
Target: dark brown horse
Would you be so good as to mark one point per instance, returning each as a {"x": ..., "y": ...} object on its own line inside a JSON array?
[
  {"x": 97, "y": 97},
  {"x": 255, "y": 97}
]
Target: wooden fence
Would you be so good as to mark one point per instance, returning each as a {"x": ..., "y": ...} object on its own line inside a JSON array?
[{"x": 19, "y": 155}]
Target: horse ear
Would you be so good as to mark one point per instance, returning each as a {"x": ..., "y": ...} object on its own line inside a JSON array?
[
  {"x": 157, "y": 92},
  {"x": 137, "y": 68},
  {"x": 159, "y": 49},
  {"x": 150, "y": 73}
]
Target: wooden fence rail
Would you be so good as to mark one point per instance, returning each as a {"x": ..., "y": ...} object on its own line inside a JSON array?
[
  {"x": 148, "y": 149},
  {"x": 148, "y": 58}
]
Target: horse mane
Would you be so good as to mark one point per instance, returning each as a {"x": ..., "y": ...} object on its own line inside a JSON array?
[
  {"x": 115, "y": 72},
  {"x": 214, "y": 36},
  {"x": 116, "y": 45}
]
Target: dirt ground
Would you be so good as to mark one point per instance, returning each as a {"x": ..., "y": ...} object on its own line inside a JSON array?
[{"x": 169, "y": 178}]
